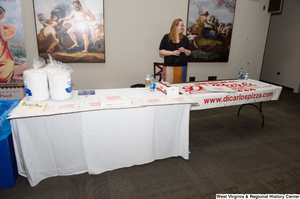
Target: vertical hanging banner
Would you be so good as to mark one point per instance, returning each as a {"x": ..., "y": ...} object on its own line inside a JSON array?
[
  {"x": 70, "y": 31},
  {"x": 12, "y": 45}
]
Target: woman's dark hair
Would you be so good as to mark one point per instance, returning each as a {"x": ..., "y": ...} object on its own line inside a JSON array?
[{"x": 1, "y": 10}]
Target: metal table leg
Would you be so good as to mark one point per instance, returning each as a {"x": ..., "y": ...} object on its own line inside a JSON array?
[{"x": 259, "y": 109}]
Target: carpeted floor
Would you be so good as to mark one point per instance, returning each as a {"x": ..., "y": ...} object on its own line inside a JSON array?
[{"x": 229, "y": 154}]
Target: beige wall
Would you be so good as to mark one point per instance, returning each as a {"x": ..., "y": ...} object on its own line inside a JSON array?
[
  {"x": 133, "y": 30},
  {"x": 282, "y": 49}
]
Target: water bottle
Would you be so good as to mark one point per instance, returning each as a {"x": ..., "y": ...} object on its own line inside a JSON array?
[
  {"x": 246, "y": 76},
  {"x": 240, "y": 74},
  {"x": 152, "y": 83},
  {"x": 147, "y": 82}
]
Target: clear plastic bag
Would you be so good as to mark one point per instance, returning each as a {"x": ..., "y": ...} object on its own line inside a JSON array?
[{"x": 57, "y": 66}]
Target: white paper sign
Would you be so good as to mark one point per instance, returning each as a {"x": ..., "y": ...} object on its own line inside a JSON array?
[
  {"x": 155, "y": 100},
  {"x": 181, "y": 99},
  {"x": 66, "y": 107},
  {"x": 114, "y": 101},
  {"x": 31, "y": 106}
]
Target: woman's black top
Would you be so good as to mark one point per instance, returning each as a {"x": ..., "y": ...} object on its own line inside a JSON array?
[{"x": 172, "y": 60}]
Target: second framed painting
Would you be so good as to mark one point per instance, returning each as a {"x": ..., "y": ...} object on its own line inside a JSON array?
[
  {"x": 70, "y": 31},
  {"x": 209, "y": 29}
]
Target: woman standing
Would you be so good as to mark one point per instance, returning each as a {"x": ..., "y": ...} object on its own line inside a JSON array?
[
  {"x": 175, "y": 48},
  {"x": 7, "y": 65}
]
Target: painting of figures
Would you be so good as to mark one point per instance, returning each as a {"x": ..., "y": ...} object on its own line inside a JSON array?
[
  {"x": 70, "y": 31},
  {"x": 12, "y": 46},
  {"x": 209, "y": 29}
]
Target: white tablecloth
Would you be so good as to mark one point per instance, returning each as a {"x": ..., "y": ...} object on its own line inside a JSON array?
[
  {"x": 92, "y": 139},
  {"x": 98, "y": 141}
]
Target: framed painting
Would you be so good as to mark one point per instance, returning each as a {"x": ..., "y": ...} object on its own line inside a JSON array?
[
  {"x": 209, "y": 29},
  {"x": 70, "y": 31},
  {"x": 13, "y": 59}
]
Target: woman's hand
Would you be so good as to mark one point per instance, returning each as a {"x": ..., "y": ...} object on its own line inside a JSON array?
[
  {"x": 181, "y": 49},
  {"x": 185, "y": 51},
  {"x": 176, "y": 52}
]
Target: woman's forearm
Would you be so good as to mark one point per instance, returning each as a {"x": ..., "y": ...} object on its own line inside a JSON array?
[
  {"x": 187, "y": 52},
  {"x": 166, "y": 52}
]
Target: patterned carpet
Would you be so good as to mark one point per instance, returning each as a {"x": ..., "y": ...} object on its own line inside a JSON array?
[{"x": 229, "y": 154}]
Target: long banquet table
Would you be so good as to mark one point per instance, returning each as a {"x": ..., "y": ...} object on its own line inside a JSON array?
[
  {"x": 66, "y": 142},
  {"x": 77, "y": 135}
]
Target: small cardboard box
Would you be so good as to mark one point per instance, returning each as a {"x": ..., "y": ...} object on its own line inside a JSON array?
[{"x": 167, "y": 89}]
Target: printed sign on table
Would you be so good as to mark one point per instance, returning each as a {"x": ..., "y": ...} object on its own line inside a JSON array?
[
  {"x": 237, "y": 85},
  {"x": 219, "y": 89},
  {"x": 181, "y": 99},
  {"x": 31, "y": 106},
  {"x": 229, "y": 86},
  {"x": 136, "y": 102},
  {"x": 190, "y": 89},
  {"x": 90, "y": 104},
  {"x": 65, "y": 107},
  {"x": 155, "y": 100},
  {"x": 114, "y": 101}
]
